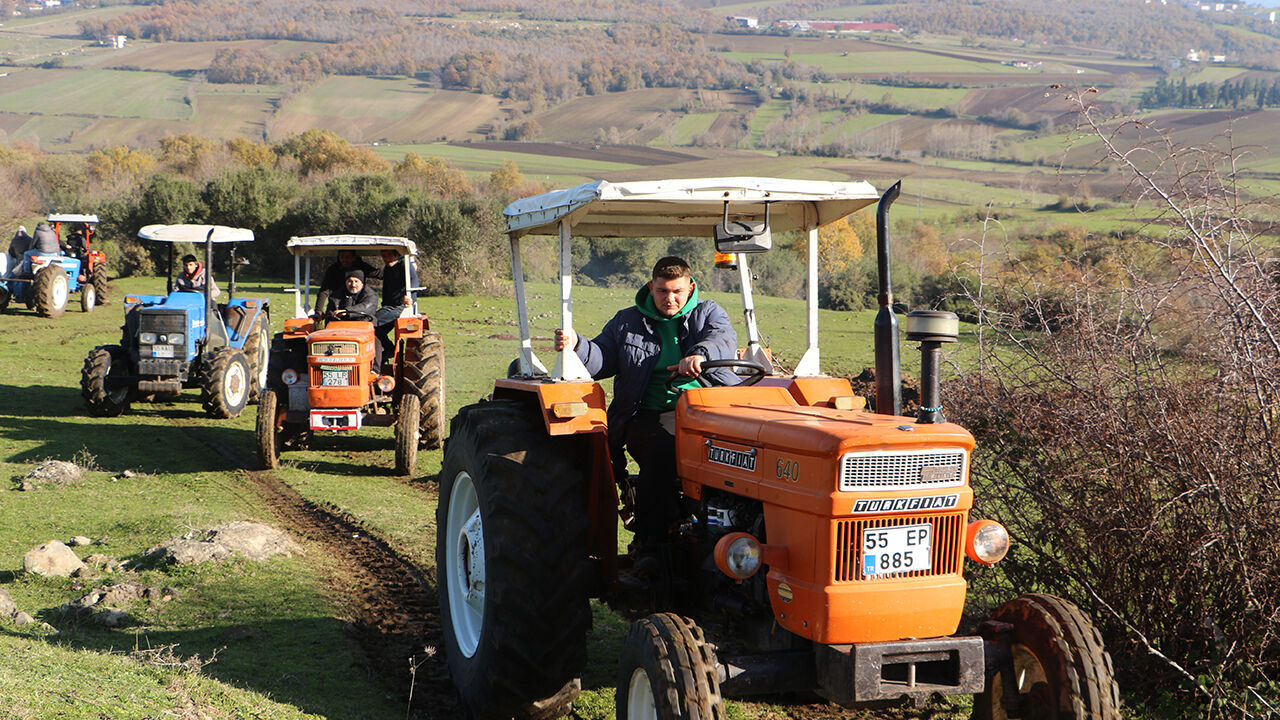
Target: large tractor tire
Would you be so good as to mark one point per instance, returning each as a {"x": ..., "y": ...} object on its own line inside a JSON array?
[
  {"x": 88, "y": 297},
  {"x": 1060, "y": 667},
  {"x": 424, "y": 376},
  {"x": 511, "y": 550},
  {"x": 99, "y": 280},
  {"x": 667, "y": 671},
  {"x": 102, "y": 397},
  {"x": 408, "y": 429},
  {"x": 257, "y": 349},
  {"x": 5, "y": 297},
  {"x": 50, "y": 291},
  {"x": 226, "y": 383},
  {"x": 267, "y": 435}
]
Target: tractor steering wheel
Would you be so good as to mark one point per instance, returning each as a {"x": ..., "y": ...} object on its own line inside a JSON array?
[
  {"x": 351, "y": 316},
  {"x": 706, "y": 380}
]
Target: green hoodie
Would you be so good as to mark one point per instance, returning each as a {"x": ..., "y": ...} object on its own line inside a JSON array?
[{"x": 656, "y": 395}]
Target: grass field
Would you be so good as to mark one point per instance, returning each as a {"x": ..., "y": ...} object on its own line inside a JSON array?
[{"x": 117, "y": 93}]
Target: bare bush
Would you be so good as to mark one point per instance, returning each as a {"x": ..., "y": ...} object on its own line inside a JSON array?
[{"x": 1125, "y": 406}]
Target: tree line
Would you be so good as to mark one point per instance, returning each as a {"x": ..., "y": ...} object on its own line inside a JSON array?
[{"x": 1250, "y": 92}]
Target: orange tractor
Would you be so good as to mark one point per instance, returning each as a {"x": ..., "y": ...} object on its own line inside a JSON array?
[
  {"x": 325, "y": 379},
  {"x": 823, "y": 546}
]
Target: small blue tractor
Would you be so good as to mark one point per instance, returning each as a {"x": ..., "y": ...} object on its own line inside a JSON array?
[
  {"x": 184, "y": 339},
  {"x": 44, "y": 281}
]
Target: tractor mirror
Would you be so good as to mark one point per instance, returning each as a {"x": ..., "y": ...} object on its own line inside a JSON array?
[{"x": 743, "y": 237}]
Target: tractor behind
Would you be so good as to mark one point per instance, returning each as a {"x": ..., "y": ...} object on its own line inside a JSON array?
[
  {"x": 323, "y": 377},
  {"x": 822, "y": 547},
  {"x": 184, "y": 339},
  {"x": 44, "y": 282}
]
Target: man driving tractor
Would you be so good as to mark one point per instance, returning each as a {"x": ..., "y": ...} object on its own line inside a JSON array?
[{"x": 669, "y": 328}]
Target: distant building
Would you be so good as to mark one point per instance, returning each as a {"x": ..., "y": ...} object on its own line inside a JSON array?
[
  {"x": 1219, "y": 58},
  {"x": 116, "y": 41},
  {"x": 837, "y": 26},
  {"x": 1193, "y": 55},
  {"x": 744, "y": 21}
]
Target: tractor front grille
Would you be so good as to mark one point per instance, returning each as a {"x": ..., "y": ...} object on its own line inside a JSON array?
[
  {"x": 948, "y": 544},
  {"x": 163, "y": 321},
  {"x": 162, "y": 367},
  {"x": 902, "y": 469}
]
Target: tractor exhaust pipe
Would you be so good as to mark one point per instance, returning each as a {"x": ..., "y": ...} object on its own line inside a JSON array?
[
  {"x": 931, "y": 328},
  {"x": 888, "y": 371}
]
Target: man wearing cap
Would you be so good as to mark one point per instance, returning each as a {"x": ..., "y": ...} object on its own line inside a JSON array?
[
  {"x": 335, "y": 276},
  {"x": 357, "y": 302},
  {"x": 669, "y": 331},
  {"x": 193, "y": 277},
  {"x": 18, "y": 247}
]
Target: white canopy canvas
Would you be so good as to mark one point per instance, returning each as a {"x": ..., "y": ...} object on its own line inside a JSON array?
[
  {"x": 329, "y": 245},
  {"x": 196, "y": 234},
  {"x": 71, "y": 217}
]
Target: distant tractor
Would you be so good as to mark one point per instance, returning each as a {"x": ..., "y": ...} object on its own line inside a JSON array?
[
  {"x": 44, "y": 282},
  {"x": 323, "y": 377},
  {"x": 820, "y": 547},
  {"x": 184, "y": 339}
]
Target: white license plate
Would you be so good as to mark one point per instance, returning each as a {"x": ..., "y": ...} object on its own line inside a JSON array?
[
  {"x": 162, "y": 351},
  {"x": 896, "y": 549},
  {"x": 330, "y": 376}
]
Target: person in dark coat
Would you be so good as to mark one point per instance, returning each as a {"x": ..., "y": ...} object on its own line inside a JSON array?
[
  {"x": 357, "y": 301},
  {"x": 45, "y": 240},
  {"x": 334, "y": 281},
  {"x": 395, "y": 296},
  {"x": 18, "y": 247},
  {"x": 669, "y": 331}
]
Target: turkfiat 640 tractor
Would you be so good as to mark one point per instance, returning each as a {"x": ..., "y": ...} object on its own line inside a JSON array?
[
  {"x": 823, "y": 546},
  {"x": 325, "y": 379}
]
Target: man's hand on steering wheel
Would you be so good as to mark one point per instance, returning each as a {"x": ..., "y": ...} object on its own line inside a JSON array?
[
  {"x": 689, "y": 366},
  {"x": 705, "y": 379}
]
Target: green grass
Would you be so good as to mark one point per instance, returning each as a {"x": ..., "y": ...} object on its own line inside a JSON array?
[
  {"x": 117, "y": 93},
  {"x": 692, "y": 125},
  {"x": 350, "y": 97},
  {"x": 896, "y": 61},
  {"x": 556, "y": 171}
]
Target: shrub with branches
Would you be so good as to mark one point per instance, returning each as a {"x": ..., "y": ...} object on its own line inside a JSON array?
[{"x": 1128, "y": 431}]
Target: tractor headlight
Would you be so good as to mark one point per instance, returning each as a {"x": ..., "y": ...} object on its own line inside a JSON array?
[
  {"x": 986, "y": 541},
  {"x": 738, "y": 555},
  {"x": 386, "y": 383},
  {"x": 147, "y": 338},
  {"x": 174, "y": 338},
  {"x": 289, "y": 376}
]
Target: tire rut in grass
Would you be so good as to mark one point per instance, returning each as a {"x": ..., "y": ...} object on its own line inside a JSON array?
[{"x": 390, "y": 602}]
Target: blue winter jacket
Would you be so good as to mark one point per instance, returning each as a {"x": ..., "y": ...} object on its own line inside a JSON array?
[{"x": 628, "y": 347}]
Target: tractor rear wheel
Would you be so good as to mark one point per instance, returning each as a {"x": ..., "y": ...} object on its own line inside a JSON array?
[
  {"x": 88, "y": 297},
  {"x": 257, "y": 349},
  {"x": 424, "y": 376},
  {"x": 99, "y": 279},
  {"x": 408, "y": 430},
  {"x": 667, "y": 671},
  {"x": 512, "y": 554},
  {"x": 226, "y": 382},
  {"x": 102, "y": 396},
  {"x": 50, "y": 291},
  {"x": 268, "y": 438},
  {"x": 5, "y": 296},
  {"x": 1059, "y": 666}
]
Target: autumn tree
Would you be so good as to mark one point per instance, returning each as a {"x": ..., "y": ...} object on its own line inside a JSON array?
[
  {"x": 249, "y": 153},
  {"x": 434, "y": 174},
  {"x": 505, "y": 178},
  {"x": 324, "y": 151},
  {"x": 120, "y": 164}
]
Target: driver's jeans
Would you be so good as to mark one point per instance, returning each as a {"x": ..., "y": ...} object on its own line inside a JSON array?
[
  {"x": 384, "y": 322},
  {"x": 657, "y": 488}
]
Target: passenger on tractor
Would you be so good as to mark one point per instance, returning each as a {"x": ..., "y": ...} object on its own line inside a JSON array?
[
  {"x": 18, "y": 247},
  {"x": 395, "y": 298},
  {"x": 193, "y": 277},
  {"x": 75, "y": 247},
  {"x": 669, "y": 331},
  {"x": 44, "y": 242},
  {"x": 334, "y": 282}
]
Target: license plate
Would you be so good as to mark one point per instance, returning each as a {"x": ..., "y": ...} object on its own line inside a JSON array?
[
  {"x": 896, "y": 549},
  {"x": 332, "y": 376},
  {"x": 162, "y": 351}
]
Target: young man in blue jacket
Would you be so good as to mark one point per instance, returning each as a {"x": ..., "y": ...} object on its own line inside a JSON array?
[{"x": 669, "y": 330}]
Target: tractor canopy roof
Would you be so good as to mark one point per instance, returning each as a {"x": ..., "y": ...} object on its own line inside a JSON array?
[
  {"x": 196, "y": 234},
  {"x": 72, "y": 217},
  {"x": 329, "y": 245},
  {"x": 685, "y": 208}
]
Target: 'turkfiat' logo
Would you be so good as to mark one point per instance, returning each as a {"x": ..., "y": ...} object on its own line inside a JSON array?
[{"x": 740, "y": 459}]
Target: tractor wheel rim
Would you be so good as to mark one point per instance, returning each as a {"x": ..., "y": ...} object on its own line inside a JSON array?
[
  {"x": 60, "y": 291},
  {"x": 264, "y": 347},
  {"x": 465, "y": 557},
  {"x": 89, "y": 296},
  {"x": 235, "y": 385},
  {"x": 1027, "y": 673},
  {"x": 640, "y": 702},
  {"x": 118, "y": 395}
]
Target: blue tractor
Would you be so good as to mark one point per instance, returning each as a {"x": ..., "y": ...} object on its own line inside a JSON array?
[
  {"x": 184, "y": 339},
  {"x": 45, "y": 281}
]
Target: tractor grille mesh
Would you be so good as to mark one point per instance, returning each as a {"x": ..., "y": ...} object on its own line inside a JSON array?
[
  {"x": 948, "y": 541},
  {"x": 898, "y": 469},
  {"x": 163, "y": 321}
]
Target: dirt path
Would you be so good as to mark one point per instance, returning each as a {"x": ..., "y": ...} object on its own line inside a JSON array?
[{"x": 389, "y": 602}]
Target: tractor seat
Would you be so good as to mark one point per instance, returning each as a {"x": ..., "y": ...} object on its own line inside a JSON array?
[{"x": 237, "y": 319}]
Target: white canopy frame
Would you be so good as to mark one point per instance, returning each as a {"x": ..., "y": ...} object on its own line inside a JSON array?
[
  {"x": 676, "y": 208},
  {"x": 327, "y": 246}
]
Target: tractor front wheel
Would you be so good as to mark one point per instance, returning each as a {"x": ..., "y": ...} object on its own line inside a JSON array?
[
  {"x": 227, "y": 379},
  {"x": 98, "y": 277},
  {"x": 103, "y": 396},
  {"x": 268, "y": 437},
  {"x": 1057, "y": 669},
  {"x": 408, "y": 417},
  {"x": 512, "y": 554},
  {"x": 5, "y": 296},
  {"x": 667, "y": 671},
  {"x": 257, "y": 348},
  {"x": 88, "y": 297},
  {"x": 424, "y": 376},
  {"x": 50, "y": 291}
]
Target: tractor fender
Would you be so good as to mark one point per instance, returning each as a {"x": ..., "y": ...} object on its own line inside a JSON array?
[{"x": 242, "y": 316}]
